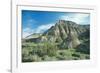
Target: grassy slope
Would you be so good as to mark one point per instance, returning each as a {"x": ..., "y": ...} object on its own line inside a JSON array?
[{"x": 32, "y": 52}]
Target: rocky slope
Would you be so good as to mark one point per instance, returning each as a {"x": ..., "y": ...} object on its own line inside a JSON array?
[{"x": 66, "y": 34}]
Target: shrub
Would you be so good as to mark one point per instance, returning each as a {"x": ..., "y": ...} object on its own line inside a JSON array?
[
  {"x": 64, "y": 55},
  {"x": 87, "y": 57},
  {"x": 27, "y": 59},
  {"x": 51, "y": 50},
  {"x": 76, "y": 55},
  {"x": 48, "y": 58},
  {"x": 75, "y": 58},
  {"x": 36, "y": 58}
]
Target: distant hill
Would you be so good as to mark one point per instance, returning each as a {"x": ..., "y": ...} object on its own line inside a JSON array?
[{"x": 34, "y": 35}]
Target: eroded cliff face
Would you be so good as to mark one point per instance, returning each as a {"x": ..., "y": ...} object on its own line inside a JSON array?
[{"x": 66, "y": 34}]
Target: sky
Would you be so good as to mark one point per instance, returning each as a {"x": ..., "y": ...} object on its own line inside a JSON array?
[{"x": 40, "y": 21}]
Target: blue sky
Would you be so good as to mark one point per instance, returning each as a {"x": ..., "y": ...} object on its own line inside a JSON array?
[{"x": 40, "y": 21}]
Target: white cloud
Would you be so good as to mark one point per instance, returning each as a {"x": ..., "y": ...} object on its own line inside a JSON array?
[
  {"x": 30, "y": 22},
  {"x": 79, "y": 18},
  {"x": 42, "y": 28},
  {"x": 27, "y": 31}
]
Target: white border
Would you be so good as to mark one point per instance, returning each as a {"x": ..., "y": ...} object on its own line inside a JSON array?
[{"x": 17, "y": 66}]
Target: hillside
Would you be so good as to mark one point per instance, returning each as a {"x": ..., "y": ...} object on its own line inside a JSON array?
[{"x": 64, "y": 36}]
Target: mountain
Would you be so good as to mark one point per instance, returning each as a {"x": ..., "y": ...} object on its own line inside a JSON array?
[{"x": 66, "y": 34}]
